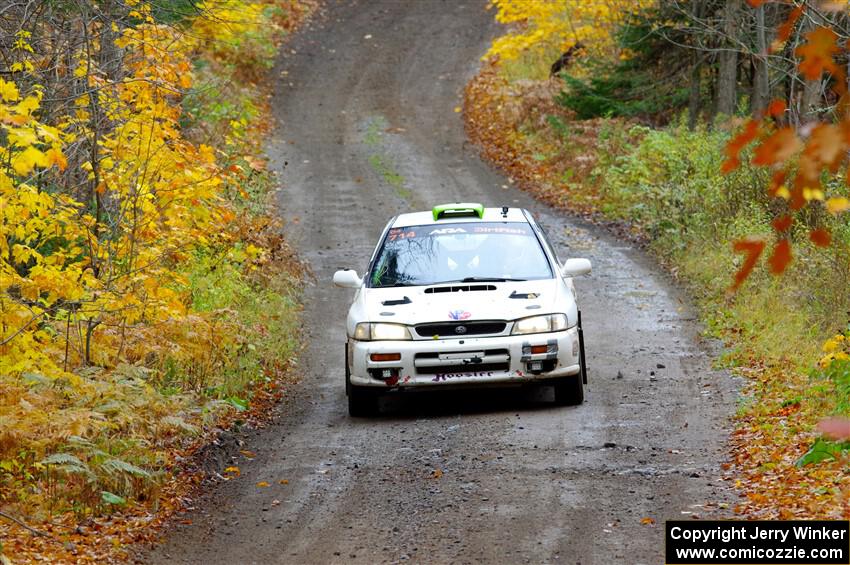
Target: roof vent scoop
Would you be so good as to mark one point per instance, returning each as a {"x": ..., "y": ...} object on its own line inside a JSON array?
[{"x": 458, "y": 210}]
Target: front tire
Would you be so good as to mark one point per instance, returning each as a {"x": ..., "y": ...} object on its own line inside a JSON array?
[
  {"x": 362, "y": 401},
  {"x": 569, "y": 391}
]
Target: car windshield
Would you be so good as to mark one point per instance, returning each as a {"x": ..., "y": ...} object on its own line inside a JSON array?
[{"x": 460, "y": 252}]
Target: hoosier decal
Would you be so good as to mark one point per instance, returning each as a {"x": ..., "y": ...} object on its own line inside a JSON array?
[{"x": 446, "y": 376}]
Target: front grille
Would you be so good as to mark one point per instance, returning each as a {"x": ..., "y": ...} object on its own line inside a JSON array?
[
  {"x": 460, "y": 329},
  {"x": 495, "y": 360}
]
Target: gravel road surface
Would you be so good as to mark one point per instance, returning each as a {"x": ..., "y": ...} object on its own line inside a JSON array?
[{"x": 366, "y": 103}]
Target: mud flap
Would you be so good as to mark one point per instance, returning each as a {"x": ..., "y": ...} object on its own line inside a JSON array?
[
  {"x": 347, "y": 372},
  {"x": 582, "y": 361}
]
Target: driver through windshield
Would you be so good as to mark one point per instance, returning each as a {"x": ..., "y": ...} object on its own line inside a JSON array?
[{"x": 461, "y": 252}]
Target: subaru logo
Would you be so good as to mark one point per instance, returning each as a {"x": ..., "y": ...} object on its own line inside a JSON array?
[{"x": 460, "y": 330}]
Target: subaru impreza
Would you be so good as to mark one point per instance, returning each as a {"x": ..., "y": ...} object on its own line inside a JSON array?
[{"x": 463, "y": 296}]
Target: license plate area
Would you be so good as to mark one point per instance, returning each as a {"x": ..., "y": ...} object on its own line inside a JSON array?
[
  {"x": 462, "y": 356},
  {"x": 462, "y": 361}
]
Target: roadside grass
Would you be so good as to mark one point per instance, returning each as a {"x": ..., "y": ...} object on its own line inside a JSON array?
[
  {"x": 664, "y": 189},
  {"x": 530, "y": 65},
  {"x": 96, "y": 461},
  {"x": 380, "y": 165}
]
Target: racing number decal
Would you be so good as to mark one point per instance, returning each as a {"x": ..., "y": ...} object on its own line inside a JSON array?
[{"x": 400, "y": 234}]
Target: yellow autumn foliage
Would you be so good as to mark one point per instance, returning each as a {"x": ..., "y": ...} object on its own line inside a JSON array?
[
  {"x": 102, "y": 340},
  {"x": 228, "y": 21},
  {"x": 542, "y": 26},
  {"x": 835, "y": 348}
]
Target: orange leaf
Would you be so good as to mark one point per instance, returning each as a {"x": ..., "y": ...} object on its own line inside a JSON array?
[
  {"x": 817, "y": 53},
  {"x": 284, "y": 481},
  {"x": 820, "y": 237},
  {"x": 798, "y": 197},
  {"x": 755, "y": 3},
  {"x": 776, "y": 181},
  {"x": 780, "y": 258},
  {"x": 778, "y": 147},
  {"x": 784, "y": 31},
  {"x": 55, "y": 157},
  {"x": 262, "y": 484},
  {"x": 753, "y": 249},
  {"x": 737, "y": 144},
  {"x": 776, "y": 108},
  {"x": 646, "y": 520},
  {"x": 730, "y": 165},
  {"x": 826, "y": 144},
  {"x": 782, "y": 224}
]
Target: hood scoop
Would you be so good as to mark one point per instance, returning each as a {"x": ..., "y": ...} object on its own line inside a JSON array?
[
  {"x": 397, "y": 302},
  {"x": 524, "y": 295},
  {"x": 459, "y": 288}
]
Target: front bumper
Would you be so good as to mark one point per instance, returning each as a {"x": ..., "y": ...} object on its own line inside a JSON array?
[{"x": 468, "y": 361}]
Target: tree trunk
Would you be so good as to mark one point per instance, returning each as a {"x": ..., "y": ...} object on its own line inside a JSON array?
[
  {"x": 695, "y": 95},
  {"x": 761, "y": 77},
  {"x": 809, "y": 102},
  {"x": 811, "y": 92},
  {"x": 727, "y": 72},
  {"x": 697, "y": 58}
]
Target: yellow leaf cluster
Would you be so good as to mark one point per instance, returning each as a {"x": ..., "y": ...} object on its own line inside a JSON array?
[
  {"x": 31, "y": 221},
  {"x": 836, "y": 348},
  {"x": 545, "y": 24},
  {"x": 227, "y": 20}
]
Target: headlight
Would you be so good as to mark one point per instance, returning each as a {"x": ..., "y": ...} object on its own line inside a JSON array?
[
  {"x": 366, "y": 331},
  {"x": 361, "y": 332},
  {"x": 540, "y": 324}
]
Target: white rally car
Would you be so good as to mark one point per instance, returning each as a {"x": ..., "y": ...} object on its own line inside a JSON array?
[{"x": 463, "y": 296}]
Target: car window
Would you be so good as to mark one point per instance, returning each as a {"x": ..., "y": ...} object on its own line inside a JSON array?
[
  {"x": 549, "y": 243},
  {"x": 423, "y": 255}
]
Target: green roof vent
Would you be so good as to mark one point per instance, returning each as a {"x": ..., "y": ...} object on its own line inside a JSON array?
[{"x": 458, "y": 210}]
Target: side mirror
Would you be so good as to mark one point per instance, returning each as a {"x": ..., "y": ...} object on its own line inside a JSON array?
[
  {"x": 347, "y": 278},
  {"x": 576, "y": 267}
]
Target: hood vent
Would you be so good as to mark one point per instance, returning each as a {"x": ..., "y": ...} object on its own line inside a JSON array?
[
  {"x": 524, "y": 295},
  {"x": 459, "y": 288}
]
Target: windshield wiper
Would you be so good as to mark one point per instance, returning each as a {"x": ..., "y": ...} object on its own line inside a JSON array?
[{"x": 488, "y": 279}]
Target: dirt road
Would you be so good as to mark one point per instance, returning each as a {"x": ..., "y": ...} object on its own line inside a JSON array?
[{"x": 366, "y": 102}]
